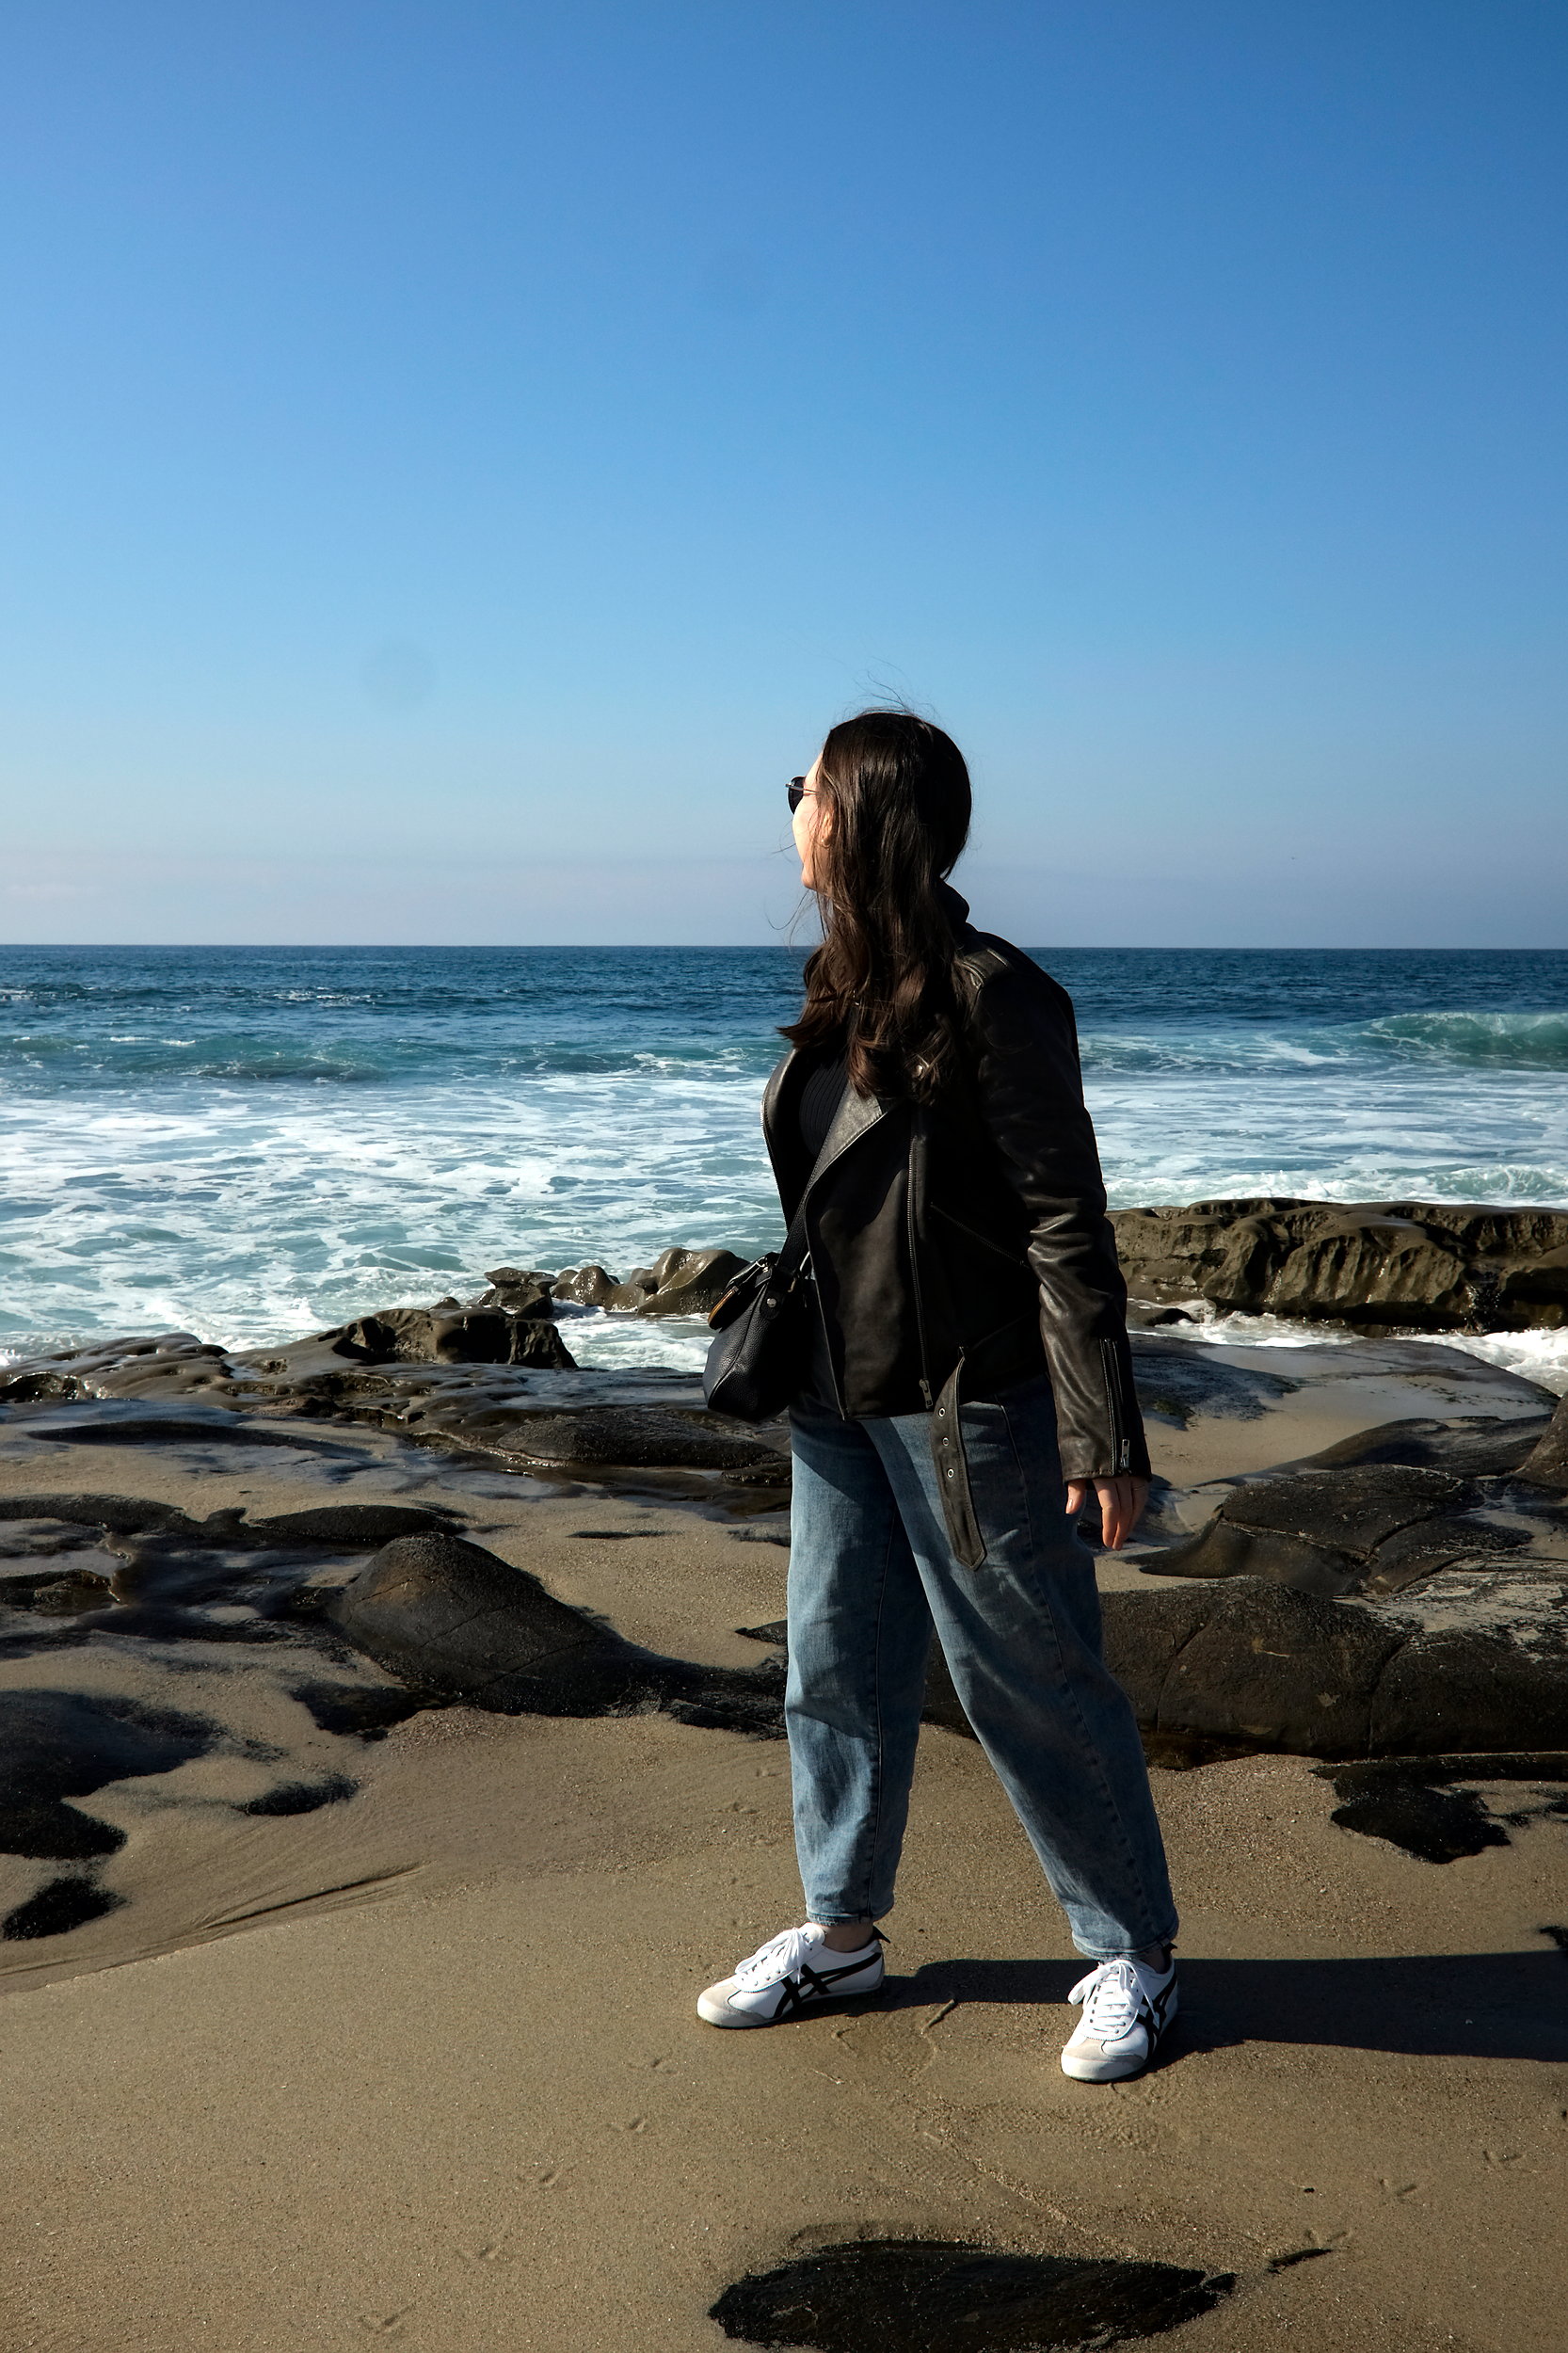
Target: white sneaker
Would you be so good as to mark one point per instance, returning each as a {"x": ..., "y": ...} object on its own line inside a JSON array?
[
  {"x": 1127, "y": 2007},
  {"x": 793, "y": 1972}
]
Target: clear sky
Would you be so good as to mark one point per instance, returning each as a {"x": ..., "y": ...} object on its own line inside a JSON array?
[{"x": 456, "y": 459}]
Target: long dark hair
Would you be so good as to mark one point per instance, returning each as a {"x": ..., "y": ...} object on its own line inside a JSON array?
[{"x": 894, "y": 793}]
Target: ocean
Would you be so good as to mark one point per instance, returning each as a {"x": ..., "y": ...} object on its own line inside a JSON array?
[{"x": 254, "y": 1143}]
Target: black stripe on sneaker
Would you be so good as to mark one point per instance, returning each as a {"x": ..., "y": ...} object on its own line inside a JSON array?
[{"x": 820, "y": 1981}]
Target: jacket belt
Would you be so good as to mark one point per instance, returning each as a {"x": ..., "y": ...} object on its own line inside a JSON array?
[{"x": 965, "y": 1533}]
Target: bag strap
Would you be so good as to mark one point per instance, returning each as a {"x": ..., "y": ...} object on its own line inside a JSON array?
[{"x": 793, "y": 1256}]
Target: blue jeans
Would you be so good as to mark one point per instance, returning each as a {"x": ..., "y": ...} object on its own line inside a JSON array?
[{"x": 871, "y": 1571}]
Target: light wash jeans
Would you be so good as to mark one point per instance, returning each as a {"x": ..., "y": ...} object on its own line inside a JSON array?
[{"x": 871, "y": 1570}]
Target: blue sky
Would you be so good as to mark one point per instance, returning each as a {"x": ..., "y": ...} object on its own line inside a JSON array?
[{"x": 455, "y": 460}]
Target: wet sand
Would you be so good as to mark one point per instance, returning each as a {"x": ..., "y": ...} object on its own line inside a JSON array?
[{"x": 422, "y": 2063}]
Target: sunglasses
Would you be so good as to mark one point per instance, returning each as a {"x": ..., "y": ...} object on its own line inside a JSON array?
[{"x": 797, "y": 792}]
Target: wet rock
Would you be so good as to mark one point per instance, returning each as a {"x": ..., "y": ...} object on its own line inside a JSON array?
[
  {"x": 37, "y": 1537},
  {"x": 1437, "y": 1267},
  {"x": 1228, "y": 1670},
  {"x": 1176, "y": 1381},
  {"x": 153, "y": 1362},
  {"x": 1546, "y": 1465},
  {"x": 451, "y": 1617},
  {"x": 336, "y": 1524},
  {"x": 588, "y": 1285},
  {"x": 453, "y": 1620},
  {"x": 442, "y": 1334},
  {"x": 339, "y": 1525},
  {"x": 1374, "y": 1527},
  {"x": 521, "y": 1290},
  {"x": 52, "y": 1566},
  {"x": 459, "y": 1336},
  {"x": 679, "y": 1283},
  {"x": 315, "y": 1375},
  {"x": 935, "y": 2295}
]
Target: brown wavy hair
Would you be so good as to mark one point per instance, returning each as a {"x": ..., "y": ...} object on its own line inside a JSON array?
[{"x": 895, "y": 795}]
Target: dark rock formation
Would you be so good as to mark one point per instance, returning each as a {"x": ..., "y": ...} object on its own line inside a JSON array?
[
  {"x": 1369, "y": 1528},
  {"x": 679, "y": 1283},
  {"x": 365, "y": 1711},
  {"x": 589, "y": 1285},
  {"x": 939, "y": 2295},
  {"x": 453, "y": 1620},
  {"x": 446, "y": 1334},
  {"x": 522, "y": 1291},
  {"x": 1248, "y": 1661},
  {"x": 1434, "y": 1267},
  {"x": 1403, "y": 1593},
  {"x": 495, "y": 1387},
  {"x": 157, "y": 1364}
]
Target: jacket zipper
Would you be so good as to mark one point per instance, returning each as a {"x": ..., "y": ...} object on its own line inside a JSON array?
[
  {"x": 917, "y": 1159},
  {"x": 810, "y": 1270},
  {"x": 1121, "y": 1447}
]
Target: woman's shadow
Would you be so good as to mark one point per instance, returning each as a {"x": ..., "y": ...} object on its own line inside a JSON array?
[{"x": 1506, "y": 2005}]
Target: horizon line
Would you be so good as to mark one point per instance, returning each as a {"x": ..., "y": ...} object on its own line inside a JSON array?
[{"x": 749, "y": 946}]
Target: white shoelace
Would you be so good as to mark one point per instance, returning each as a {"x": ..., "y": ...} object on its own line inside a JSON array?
[
  {"x": 782, "y": 1956},
  {"x": 1111, "y": 1997}
]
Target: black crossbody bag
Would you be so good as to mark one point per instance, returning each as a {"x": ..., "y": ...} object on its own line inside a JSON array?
[{"x": 757, "y": 1362}]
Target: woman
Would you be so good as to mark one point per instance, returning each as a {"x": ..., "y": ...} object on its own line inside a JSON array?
[{"x": 967, "y": 1384}]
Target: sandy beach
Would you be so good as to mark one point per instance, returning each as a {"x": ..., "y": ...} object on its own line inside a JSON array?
[
  {"x": 420, "y": 2062},
  {"x": 859, "y": 707}
]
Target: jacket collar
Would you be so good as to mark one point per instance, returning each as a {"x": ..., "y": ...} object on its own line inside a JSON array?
[{"x": 857, "y": 1113}]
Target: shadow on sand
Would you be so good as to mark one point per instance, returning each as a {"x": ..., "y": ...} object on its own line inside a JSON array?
[{"x": 1510, "y": 2004}]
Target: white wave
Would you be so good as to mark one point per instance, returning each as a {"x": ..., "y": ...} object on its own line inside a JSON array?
[
  {"x": 1541, "y": 1357},
  {"x": 609, "y": 1341},
  {"x": 251, "y": 1222}
]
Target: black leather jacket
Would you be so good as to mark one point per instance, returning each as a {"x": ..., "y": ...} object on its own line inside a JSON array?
[{"x": 966, "y": 1246}]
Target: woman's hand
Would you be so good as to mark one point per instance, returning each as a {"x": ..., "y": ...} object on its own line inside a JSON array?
[{"x": 1122, "y": 1502}]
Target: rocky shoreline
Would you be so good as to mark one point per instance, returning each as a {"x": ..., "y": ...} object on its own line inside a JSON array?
[
  {"x": 1416, "y": 1266},
  {"x": 1401, "y": 1592}
]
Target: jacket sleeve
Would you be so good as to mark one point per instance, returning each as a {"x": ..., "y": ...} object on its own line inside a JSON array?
[{"x": 1031, "y": 1098}]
